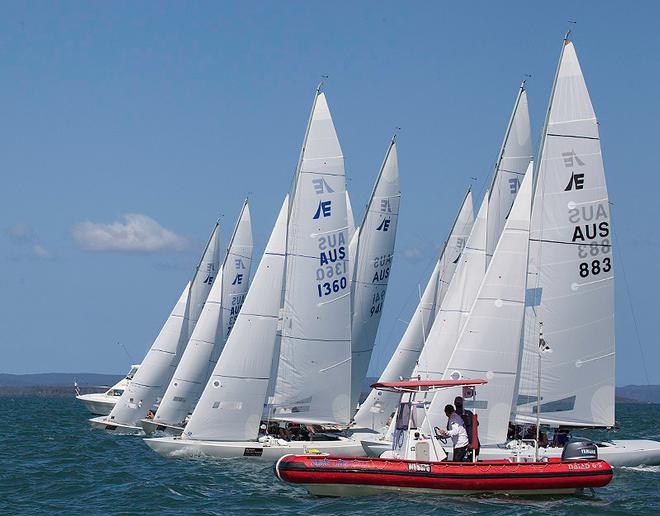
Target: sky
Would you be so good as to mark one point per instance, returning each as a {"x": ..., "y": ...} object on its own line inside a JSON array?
[{"x": 127, "y": 129}]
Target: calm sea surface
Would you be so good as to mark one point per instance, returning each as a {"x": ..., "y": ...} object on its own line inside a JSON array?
[{"x": 52, "y": 462}]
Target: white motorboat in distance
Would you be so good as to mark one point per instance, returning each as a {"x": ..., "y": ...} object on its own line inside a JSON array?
[{"x": 102, "y": 403}]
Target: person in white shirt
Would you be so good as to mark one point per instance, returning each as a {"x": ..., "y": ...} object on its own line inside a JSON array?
[{"x": 455, "y": 430}]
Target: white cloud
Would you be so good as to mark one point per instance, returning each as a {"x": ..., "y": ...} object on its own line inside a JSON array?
[
  {"x": 26, "y": 241},
  {"x": 134, "y": 233},
  {"x": 40, "y": 251}
]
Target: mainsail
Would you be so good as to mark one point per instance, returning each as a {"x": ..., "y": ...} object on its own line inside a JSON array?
[
  {"x": 489, "y": 344},
  {"x": 215, "y": 323},
  {"x": 457, "y": 302},
  {"x": 379, "y": 405},
  {"x": 570, "y": 286},
  {"x": 314, "y": 371},
  {"x": 373, "y": 262},
  {"x": 231, "y": 405},
  {"x": 155, "y": 373},
  {"x": 513, "y": 159}
]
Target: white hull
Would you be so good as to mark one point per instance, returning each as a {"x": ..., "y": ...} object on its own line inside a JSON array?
[
  {"x": 615, "y": 453},
  {"x": 102, "y": 423},
  {"x": 99, "y": 404},
  {"x": 152, "y": 427},
  {"x": 628, "y": 452},
  {"x": 366, "y": 490},
  {"x": 176, "y": 447}
]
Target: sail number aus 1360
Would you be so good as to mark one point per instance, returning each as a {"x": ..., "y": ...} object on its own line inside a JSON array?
[{"x": 327, "y": 288}]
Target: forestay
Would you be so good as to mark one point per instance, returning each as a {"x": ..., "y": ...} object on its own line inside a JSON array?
[
  {"x": 232, "y": 402},
  {"x": 571, "y": 275},
  {"x": 373, "y": 262},
  {"x": 489, "y": 344},
  {"x": 314, "y": 371},
  {"x": 513, "y": 160},
  {"x": 215, "y": 323},
  {"x": 158, "y": 366},
  {"x": 379, "y": 405}
]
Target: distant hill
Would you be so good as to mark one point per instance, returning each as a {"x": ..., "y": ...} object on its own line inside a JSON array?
[
  {"x": 58, "y": 379},
  {"x": 639, "y": 393}
]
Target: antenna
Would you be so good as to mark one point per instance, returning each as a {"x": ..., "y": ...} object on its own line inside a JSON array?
[
  {"x": 126, "y": 351},
  {"x": 323, "y": 79}
]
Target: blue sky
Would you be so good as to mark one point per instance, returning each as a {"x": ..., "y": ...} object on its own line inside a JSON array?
[{"x": 162, "y": 116}]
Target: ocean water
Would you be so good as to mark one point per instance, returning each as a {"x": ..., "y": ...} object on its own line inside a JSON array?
[{"x": 52, "y": 462}]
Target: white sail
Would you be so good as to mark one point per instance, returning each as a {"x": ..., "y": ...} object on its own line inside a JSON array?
[
  {"x": 155, "y": 373},
  {"x": 350, "y": 218},
  {"x": 232, "y": 402},
  {"x": 379, "y": 405},
  {"x": 571, "y": 275},
  {"x": 216, "y": 321},
  {"x": 489, "y": 345},
  {"x": 314, "y": 370},
  {"x": 458, "y": 300},
  {"x": 514, "y": 157},
  {"x": 373, "y": 262}
]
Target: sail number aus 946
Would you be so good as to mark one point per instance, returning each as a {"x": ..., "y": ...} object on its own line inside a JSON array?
[{"x": 595, "y": 267}]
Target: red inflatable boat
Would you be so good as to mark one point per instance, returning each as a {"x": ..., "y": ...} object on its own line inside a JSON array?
[{"x": 350, "y": 476}]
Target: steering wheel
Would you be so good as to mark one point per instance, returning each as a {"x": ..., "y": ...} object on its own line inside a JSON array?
[{"x": 438, "y": 435}]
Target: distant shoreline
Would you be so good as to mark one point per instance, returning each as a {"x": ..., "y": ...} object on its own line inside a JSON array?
[{"x": 62, "y": 384}]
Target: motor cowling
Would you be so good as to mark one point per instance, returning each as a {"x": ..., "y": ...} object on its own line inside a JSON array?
[{"x": 580, "y": 450}]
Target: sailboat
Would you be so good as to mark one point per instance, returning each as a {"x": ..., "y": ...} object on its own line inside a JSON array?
[
  {"x": 208, "y": 338},
  {"x": 158, "y": 366},
  {"x": 373, "y": 416},
  {"x": 570, "y": 283},
  {"x": 374, "y": 252},
  {"x": 288, "y": 359},
  {"x": 438, "y": 343}
]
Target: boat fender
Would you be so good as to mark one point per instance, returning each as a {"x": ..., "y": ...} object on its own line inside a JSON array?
[{"x": 580, "y": 450}]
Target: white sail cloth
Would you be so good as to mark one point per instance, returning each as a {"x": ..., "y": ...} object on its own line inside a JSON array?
[
  {"x": 514, "y": 158},
  {"x": 155, "y": 373},
  {"x": 489, "y": 344},
  {"x": 571, "y": 274},
  {"x": 375, "y": 412},
  {"x": 373, "y": 262},
  {"x": 215, "y": 323},
  {"x": 456, "y": 305},
  {"x": 314, "y": 371},
  {"x": 232, "y": 402}
]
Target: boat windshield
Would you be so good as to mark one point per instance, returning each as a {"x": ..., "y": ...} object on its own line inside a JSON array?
[{"x": 405, "y": 416}]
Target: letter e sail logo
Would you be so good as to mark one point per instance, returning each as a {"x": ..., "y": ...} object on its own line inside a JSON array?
[
  {"x": 324, "y": 209},
  {"x": 577, "y": 181},
  {"x": 384, "y": 226}
]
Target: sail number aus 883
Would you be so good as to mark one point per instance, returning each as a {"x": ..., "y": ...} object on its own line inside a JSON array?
[
  {"x": 327, "y": 288},
  {"x": 595, "y": 267}
]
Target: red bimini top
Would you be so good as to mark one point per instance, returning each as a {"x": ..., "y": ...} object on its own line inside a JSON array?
[{"x": 423, "y": 385}]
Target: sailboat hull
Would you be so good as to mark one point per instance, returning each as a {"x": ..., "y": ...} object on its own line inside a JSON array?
[
  {"x": 634, "y": 452},
  {"x": 102, "y": 423},
  {"x": 152, "y": 427},
  {"x": 270, "y": 451},
  {"x": 631, "y": 452}
]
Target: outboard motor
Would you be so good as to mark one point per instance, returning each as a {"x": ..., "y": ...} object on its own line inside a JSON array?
[{"x": 580, "y": 450}]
